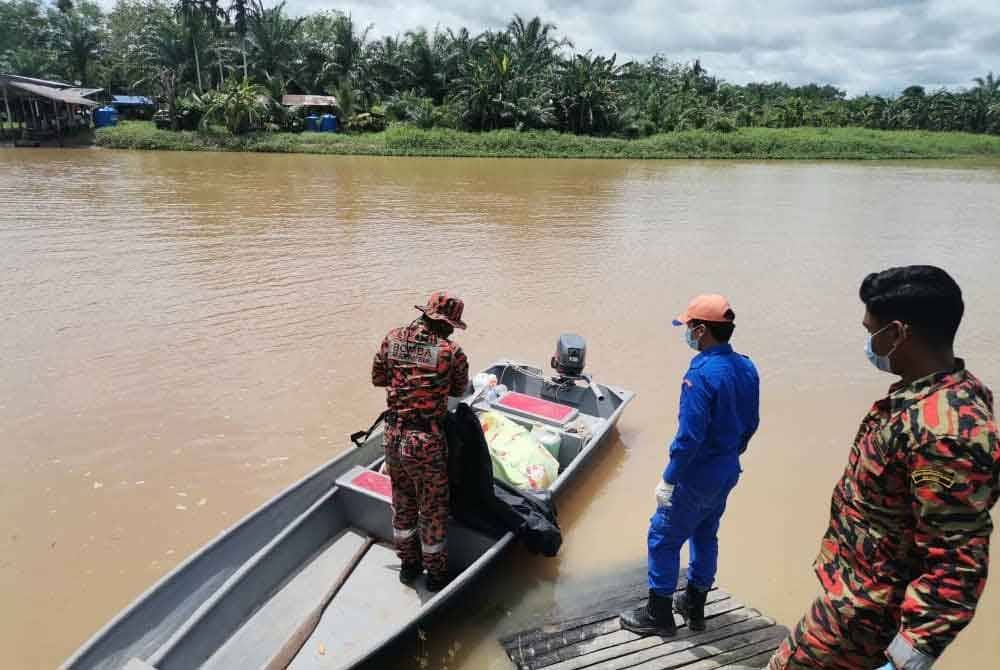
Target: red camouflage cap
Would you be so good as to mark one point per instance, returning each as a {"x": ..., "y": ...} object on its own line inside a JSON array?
[{"x": 443, "y": 306}]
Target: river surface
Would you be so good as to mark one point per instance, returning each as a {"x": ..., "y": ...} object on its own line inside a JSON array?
[{"x": 185, "y": 334}]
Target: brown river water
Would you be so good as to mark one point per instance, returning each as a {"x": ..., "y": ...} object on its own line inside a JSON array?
[{"x": 186, "y": 334}]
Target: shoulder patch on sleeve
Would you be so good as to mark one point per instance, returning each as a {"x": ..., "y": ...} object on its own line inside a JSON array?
[{"x": 925, "y": 476}]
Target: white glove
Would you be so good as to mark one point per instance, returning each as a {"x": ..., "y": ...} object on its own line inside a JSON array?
[{"x": 664, "y": 492}]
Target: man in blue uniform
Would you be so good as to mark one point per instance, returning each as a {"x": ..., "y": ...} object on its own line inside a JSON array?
[{"x": 719, "y": 413}]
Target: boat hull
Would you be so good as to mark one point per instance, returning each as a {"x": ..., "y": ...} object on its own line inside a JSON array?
[{"x": 234, "y": 601}]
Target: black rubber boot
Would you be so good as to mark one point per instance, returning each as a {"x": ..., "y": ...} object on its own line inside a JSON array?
[
  {"x": 691, "y": 606},
  {"x": 408, "y": 572},
  {"x": 655, "y": 618}
]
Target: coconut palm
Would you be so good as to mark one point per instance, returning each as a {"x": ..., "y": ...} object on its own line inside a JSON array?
[
  {"x": 241, "y": 107},
  {"x": 534, "y": 42},
  {"x": 238, "y": 12},
  {"x": 586, "y": 95},
  {"x": 165, "y": 52},
  {"x": 79, "y": 39},
  {"x": 273, "y": 39},
  {"x": 348, "y": 47},
  {"x": 988, "y": 86}
]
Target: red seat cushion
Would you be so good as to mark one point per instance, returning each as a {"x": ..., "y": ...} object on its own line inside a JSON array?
[
  {"x": 537, "y": 406},
  {"x": 375, "y": 482}
]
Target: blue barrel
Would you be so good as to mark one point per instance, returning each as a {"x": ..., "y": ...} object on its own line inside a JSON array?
[
  {"x": 312, "y": 123},
  {"x": 105, "y": 117},
  {"x": 328, "y": 123}
]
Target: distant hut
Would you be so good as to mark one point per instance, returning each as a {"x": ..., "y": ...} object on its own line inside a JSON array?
[
  {"x": 313, "y": 104},
  {"x": 133, "y": 106},
  {"x": 37, "y": 109}
]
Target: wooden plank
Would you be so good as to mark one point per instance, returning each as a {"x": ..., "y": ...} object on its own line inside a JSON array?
[
  {"x": 525, "y": 653},
  {"x": 343, "y": 636},
  {"x": 603, "y": 608},
  {"x": 755, "y": 663},
  {"x": 737, "y": 638},
  {"x": 663, "y": 646},
  {"x": 625, "y": 642},
  {"x": 540, "y": 641},
  {"x": 616, "y": 635},
  {"x": 707, "y": 657},
  {"x": 263, "y": 633},
  {"x": 747, "y": 656},
  {"x": 600, "y": 605}
]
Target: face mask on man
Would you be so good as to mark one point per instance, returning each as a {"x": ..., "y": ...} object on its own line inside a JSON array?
[
  {"x": 883, "y": 363},
  {"x": 690, "y": 338}
]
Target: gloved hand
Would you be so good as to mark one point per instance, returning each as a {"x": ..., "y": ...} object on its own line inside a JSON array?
[
  {"x": 887, "y": 666},
  {"x": 664, "y": 492}
]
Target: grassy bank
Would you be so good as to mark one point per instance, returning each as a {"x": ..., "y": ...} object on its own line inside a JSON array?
[{"x": 793, "y": 143}]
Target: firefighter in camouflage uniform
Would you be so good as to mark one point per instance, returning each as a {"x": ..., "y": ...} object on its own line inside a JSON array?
[
  {"x": 420, "y": 367},
  {"x": 904, "y": 560}
]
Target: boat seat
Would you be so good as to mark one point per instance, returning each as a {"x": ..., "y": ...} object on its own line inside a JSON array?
[
  {"x": 367, "y": 482},
  {"x": 536, "y": 409}
]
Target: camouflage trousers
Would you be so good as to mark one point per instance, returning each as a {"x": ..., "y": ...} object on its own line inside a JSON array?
[
  {"x": 824, "y": 639},
  {"x": 418, "y": 466}
]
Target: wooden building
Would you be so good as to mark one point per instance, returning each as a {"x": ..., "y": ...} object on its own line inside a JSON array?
[{"x": 36, "y": 110}]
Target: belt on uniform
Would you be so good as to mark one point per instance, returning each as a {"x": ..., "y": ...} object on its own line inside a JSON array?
[{"x": 409, "y": 422}]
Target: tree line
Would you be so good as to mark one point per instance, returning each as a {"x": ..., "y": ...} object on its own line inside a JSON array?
[{"x": 231, "y": 57}]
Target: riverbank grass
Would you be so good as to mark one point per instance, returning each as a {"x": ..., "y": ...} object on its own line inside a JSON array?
[{"x": 750, "y": 143}]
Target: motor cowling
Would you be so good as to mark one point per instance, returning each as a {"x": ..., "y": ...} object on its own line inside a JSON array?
[{"x": 571, "y": 355}]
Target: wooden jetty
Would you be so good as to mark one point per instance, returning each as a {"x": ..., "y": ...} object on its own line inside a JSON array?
[{"x": 736, "y": 637}]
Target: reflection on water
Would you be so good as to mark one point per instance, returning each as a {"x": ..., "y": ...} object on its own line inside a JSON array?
[{"x": 185, "y": 334}]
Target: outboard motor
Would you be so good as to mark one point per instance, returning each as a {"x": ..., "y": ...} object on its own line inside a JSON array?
[{"x": 571, "y": 356}]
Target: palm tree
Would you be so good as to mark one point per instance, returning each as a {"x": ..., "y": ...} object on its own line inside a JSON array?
[
  {"x": 909, "y": 110},
  {"x": 988, "y": 86},
  {"x": 190, "y": 13},
  {"x": 165, "y": 51},
  {"x": 485, "y": 86},
  {"x": 238, "y": 15},
  {"x": 386, "y": 66},
  {"x": 273, "y": 39},
  {"x": 943, "y": 111},
  {"x": 79, "y": 40},
  {"x": 349, "y": 44},
  {"x": 587, "y": 96},
  {"x": 240, "y": 108},
  {"x": 534, "y": 42},
  {"x": 981, "y": 99},
  {"x": 993, "y": 119}
]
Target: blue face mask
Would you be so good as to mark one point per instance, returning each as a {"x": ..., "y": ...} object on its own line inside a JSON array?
[
  {"x": 690, "y": 339},
  {"x": 881, "y": 362}
]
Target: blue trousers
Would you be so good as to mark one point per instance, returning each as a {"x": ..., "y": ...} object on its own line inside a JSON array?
[{"x": 693, "y": 515}]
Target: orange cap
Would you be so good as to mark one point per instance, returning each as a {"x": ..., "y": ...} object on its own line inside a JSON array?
[{"x": 710, "y": 307}]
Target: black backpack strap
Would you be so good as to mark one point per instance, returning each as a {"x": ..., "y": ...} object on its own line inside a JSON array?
[{"x": 362, "y": 436}]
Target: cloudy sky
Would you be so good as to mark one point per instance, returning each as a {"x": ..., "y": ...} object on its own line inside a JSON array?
[{"x": 860, "y": 45}]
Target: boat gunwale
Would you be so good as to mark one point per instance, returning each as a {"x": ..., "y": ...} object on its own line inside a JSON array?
[
  {"x": 212, "y": 544},
  {"x": 235, "y": 580},
  {"x": 427, "y": 608}
]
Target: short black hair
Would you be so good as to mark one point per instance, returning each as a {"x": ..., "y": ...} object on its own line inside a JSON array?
[
  {"x": 923, "y": 296},
  {"x": 721, "y": 330},
  {"x": 439, "y": 328}
]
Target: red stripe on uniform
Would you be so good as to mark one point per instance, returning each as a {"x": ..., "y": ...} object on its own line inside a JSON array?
[{"x": 931, "y": 417}]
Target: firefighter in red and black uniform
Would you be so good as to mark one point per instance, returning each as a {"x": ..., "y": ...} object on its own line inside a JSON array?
[
  {"x": 904, "y": 560},
  {"x": 420, "y": 367}
]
